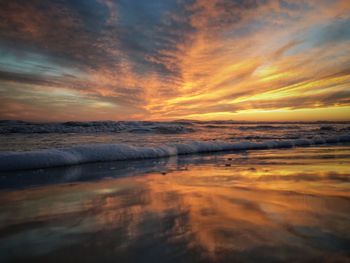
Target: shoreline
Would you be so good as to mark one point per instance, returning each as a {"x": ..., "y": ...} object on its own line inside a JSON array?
[
  {"x": 224, "y": 207},
  {"x": 12, "y": 161},
  {"x": 96, "y": 171}
]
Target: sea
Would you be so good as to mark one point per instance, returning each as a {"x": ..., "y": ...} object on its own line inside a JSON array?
[{"x": 179, "y": 191}]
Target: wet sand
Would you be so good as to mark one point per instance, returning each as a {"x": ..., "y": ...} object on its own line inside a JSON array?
[{"x": 253, "y": 206}]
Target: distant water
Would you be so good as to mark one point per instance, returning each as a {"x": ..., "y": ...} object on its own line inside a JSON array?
[
  {"x": 275, "y": 205},
  {"x": 25, "y": 145},
  {"x": 27, "y": 136}
]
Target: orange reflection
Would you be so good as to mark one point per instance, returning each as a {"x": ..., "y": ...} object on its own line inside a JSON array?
[{"x": 272, "y": 200}]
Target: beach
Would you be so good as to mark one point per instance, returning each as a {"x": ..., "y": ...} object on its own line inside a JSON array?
[
  {"x": 184, "y": 131},
  {"x": 271, "y": 205}
]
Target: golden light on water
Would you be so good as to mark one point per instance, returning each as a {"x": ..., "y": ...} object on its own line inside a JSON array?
[{"x": 282, "y": 200}]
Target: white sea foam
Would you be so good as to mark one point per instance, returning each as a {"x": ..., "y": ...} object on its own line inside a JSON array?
[{"x": 11, "y": 161}]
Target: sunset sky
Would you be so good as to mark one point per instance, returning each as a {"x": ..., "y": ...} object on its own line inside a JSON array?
[{"x": 255, "y": 60}]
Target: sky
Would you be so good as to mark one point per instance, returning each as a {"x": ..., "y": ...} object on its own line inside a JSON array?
[{"x": 254, "y": 60}]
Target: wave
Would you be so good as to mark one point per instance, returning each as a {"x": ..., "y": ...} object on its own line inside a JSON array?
[
  {"x": 155, "y": 127},
  {"x": 259, "y": 137},
  {"x": 218, "y": 126},
  {"x": 21, "y": 127},
  {"x": 327, "y": 128},
  {"x": 12, "y": 161},
  {"x": 267, "y": 127}
]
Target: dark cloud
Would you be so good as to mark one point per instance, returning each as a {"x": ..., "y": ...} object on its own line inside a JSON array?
[
  {"x": 140, "y": 54},
  {"x": 79, "y": 34},
  {"x": 25, "y": 78}
]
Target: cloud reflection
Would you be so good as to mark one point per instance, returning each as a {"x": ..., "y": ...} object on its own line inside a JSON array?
[{"x": 201, "y": 210}]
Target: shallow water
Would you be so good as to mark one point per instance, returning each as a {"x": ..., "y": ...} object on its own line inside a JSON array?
[{"x": 250, "y": 206}]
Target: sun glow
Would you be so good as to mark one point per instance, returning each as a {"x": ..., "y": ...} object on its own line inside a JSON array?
[{"x": 221, "y": 60}]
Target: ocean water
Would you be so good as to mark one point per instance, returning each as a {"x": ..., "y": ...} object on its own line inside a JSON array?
[
  {"x": 26, "y": 136},
  {"x": 174, "y": 192},
  {"x": 25, "y": 145},
  {"x": 272, "y": 205}
]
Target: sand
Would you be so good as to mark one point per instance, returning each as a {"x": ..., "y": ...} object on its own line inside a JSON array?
[{"x": 249, "y": 206}]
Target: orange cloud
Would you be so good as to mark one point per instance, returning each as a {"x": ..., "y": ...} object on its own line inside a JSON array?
[{"x": 221, "y": 59}]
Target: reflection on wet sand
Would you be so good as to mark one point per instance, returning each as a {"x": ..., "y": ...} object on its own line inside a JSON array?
[{"x": 267, "y": 206}]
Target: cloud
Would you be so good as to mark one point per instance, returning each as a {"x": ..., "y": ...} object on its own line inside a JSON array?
[{"x": 172, "y": 59}]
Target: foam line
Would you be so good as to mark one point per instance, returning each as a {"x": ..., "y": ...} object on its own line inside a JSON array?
[{"x": 12, "y": 161}]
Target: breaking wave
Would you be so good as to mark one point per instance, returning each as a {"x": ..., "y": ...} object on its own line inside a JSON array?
[{"x": 12, "y": 161}]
